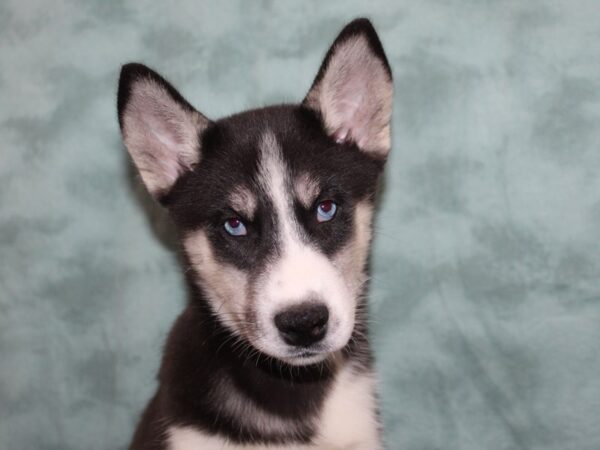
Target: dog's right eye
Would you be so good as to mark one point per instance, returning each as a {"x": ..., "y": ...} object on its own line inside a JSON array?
[
  {"x": 235, "y": 227},
  {"x": 326, "y": 210}
]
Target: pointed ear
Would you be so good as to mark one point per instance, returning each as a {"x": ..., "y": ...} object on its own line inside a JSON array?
[
  {"x": 161, "y": 130},
  {"x": 353, "y": 90}
]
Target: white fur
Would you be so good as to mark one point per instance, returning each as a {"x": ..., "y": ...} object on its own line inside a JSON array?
[
  {"x": 300, "y": 273},
  {"x": 348, "y": 419}
]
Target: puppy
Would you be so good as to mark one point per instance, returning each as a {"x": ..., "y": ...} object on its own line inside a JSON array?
[{"x": 273, "y": 208}]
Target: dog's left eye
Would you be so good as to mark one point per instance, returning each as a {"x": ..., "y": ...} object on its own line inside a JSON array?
[
  {"x": 326, "y": 210},
  {"x": 235, "y": 227}
]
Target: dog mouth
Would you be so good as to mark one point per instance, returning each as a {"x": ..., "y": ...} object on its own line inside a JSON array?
[{"x": 306, "y": 356}]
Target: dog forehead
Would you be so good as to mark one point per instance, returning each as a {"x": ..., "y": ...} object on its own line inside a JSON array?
[
  {"x": 247, "y": 148},
  {"x": 254, "y": 146}
]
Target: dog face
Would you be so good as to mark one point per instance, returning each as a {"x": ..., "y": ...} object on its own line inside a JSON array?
[{"x": 274, "y": 206}]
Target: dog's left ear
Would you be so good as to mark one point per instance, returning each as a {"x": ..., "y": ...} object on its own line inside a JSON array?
[{"x": 353, "y": 90}]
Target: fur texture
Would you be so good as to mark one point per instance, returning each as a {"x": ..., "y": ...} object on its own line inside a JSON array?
[{"x": 230, "y": 376}]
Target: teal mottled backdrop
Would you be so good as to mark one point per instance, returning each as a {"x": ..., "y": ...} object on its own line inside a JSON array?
[{"x": 486, "y": 269}]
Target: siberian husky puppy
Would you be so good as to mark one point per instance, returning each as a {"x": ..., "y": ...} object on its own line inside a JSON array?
[{"x": 273, "y": 208}]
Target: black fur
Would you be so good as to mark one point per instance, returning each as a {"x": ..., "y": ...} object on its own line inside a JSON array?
[{"x": 201, "y": 352}]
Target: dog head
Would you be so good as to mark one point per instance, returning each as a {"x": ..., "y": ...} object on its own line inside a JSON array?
[{"x": 274, "y": 205}]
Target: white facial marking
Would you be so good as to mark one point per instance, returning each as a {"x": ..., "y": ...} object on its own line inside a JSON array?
[
  {"x": 355, "y": 96},
  {"x": 160, "y": 134},
  {"x": 243, "y": 201},
  {"x": 225, "y": 285},
  {"x": 306, "y": 189},
  {"x": 301, "y": 272}
]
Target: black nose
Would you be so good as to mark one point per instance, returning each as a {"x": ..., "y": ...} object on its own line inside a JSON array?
[{"x": 303, "y": 324}]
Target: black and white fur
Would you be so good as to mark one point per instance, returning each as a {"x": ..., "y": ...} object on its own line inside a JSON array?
[{"x": 229, "y": 379}]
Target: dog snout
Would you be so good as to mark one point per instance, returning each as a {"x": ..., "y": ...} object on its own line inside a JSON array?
[{"x": 304, "y": 324}]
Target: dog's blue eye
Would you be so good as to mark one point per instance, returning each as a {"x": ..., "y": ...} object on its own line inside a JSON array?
[
  {"x": 235, "y": 227},
  {"x": 326, "y": 211}
]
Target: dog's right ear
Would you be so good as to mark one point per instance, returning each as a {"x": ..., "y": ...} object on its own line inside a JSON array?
[{"x": 161, "y": 130}]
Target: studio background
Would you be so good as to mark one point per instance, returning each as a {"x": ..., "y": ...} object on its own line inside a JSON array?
[{"x": 486, "y": 264}]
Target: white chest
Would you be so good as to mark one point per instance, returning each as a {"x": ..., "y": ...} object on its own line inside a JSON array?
[{"x": 348, "y": 420}]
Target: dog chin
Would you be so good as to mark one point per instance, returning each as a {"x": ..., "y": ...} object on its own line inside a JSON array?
[
  {"x": 307, "y": 356},
  {"x": 306, "y": 359},
  {"x": 297, "y": 357}
]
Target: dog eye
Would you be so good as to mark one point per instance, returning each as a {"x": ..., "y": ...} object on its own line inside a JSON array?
[
  {"x": 235, "y": 227},
  {"x": 326, "y": 210}
]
